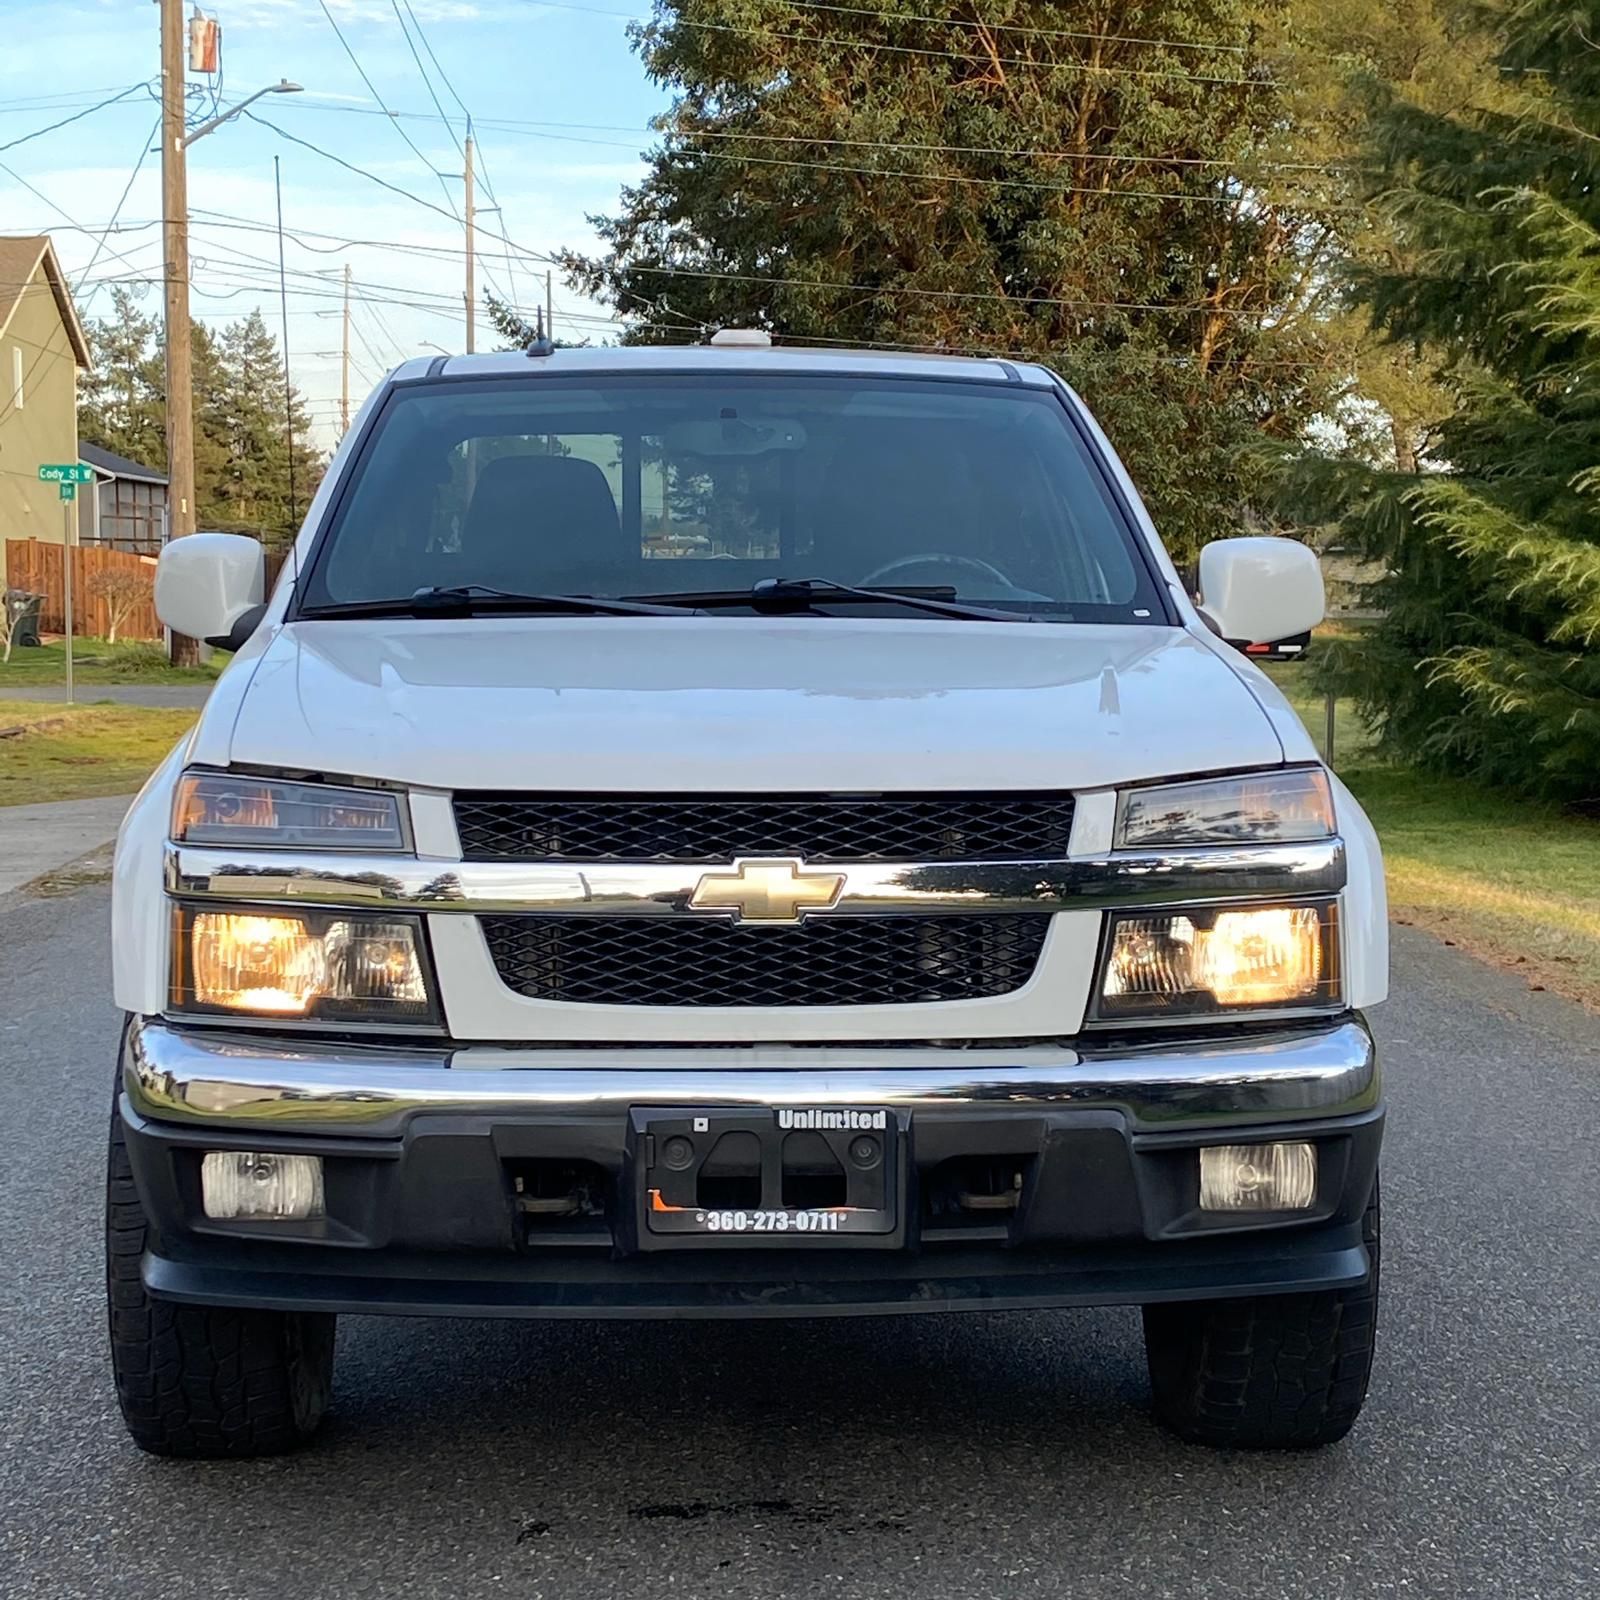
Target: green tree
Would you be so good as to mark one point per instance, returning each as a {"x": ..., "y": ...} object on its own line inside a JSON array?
[
  {"x": 122, "y": 399},
  {"x": 241, "y": 411},
  {"x": 1104, "y": 189},
  {"x": 241, "y": 452},
  {"x": 1485, "y": 661}
]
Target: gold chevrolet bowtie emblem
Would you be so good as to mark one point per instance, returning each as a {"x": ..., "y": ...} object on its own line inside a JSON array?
[{"x": 767, "y": 891}]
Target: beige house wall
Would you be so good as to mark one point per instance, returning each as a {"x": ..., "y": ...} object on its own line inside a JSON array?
[{"x": 44, "y": 428}]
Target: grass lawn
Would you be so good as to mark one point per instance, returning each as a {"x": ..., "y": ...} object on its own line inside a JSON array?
[
  {"x": 1514, "y": 882},
  {"x": 77, "y": 752},
  {"x": 95, "y": 661}
]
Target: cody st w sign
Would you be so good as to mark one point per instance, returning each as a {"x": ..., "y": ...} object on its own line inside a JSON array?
[{"x": 68, "y": 474}]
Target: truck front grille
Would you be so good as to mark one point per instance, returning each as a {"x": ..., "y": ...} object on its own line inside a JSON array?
[
  {"x": 825, "y": 961},
  {"x": 1030, "y": 826}
]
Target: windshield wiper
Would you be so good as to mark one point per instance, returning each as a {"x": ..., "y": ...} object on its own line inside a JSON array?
[
  {"x": 473, "y": 599},
  {"x": 798, "y": 594}
]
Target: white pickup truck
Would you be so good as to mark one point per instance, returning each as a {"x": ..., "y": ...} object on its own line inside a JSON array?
[{"x": 741, "y": 832}]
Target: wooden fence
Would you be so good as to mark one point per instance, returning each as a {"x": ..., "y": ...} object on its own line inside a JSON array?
[{"x": 32, "y": 564}]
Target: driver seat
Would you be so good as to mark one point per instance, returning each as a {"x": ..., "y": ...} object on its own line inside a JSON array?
[
  {"x": 909, "y": 492},
  {"x": 544, "y": 523}
]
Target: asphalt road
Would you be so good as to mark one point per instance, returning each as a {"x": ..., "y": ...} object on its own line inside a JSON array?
[{"x": 942, "y": 1457}]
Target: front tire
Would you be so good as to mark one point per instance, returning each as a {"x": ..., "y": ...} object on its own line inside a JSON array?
[
  {"x": 205, "y": 1380},
  {"x": 1272, "y": 1372}
]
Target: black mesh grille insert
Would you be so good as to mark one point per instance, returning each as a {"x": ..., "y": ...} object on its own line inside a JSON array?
[
  {"x": 824, "y": 961},
  {"x": 928, "y": 827}
]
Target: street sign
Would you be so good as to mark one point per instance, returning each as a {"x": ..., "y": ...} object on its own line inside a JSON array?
[
  {"x": 66, "y": 472},
  {"x": 69, "y": 491}
]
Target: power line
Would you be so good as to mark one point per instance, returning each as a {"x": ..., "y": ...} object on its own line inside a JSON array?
[
  {"x": 122, "y": 199},
  {"x": 33, "y": 366},
  {"x": 1092, "y": 69},
  {"x": 377, "y": 360},
  {"x": 393, "y": 188},
  {"x": 1178, "y": 195},
  {"x": 461, "y": 149},
  {"x": 1130, "y": 157},
  {"x": 99, "y": 105},
  {"x": 427, "y": 82},
  {"x": 1017, "y": 27},
  {"x": 534, "y": 130},
  {"x": 373, "y": 90},
  {"x": 72, "y": 223},
  {"x": 387, "y": 331},
  {"x": 60, "y": 100},
  {"x": 338, "y": 243},
  {"x": 1018, "y": 302}
]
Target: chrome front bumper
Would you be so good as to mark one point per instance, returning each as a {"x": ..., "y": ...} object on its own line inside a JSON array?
[{"x": 226, "y": 1080}]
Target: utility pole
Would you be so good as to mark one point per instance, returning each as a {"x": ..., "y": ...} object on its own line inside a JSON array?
[
  {"x": 472, "y": 295},
  {"x": 549, "y": 307},
  {"x": 344, "y": 366},
  {"x": 175, "y": 251}
]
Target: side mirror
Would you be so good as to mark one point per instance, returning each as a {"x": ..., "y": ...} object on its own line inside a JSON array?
[
  {"x": 210, "y": 586},
  {"x": 1258, "y": 591}
]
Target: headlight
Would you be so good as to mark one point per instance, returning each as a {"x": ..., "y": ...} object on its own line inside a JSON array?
[
  {"x": 235, "y": 809},
  {"x": 326, "y": 966},
  {"x": 1218, "y": 961},
  {"x": 1288, "y": 806}
]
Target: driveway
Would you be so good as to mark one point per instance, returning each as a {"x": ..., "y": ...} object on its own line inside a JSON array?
[
  {"x": 948, "y": 1457},
  {"x": 36, "y": 839}
]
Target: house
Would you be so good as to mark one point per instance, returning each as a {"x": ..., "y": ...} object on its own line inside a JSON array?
[
  {"x": 127, "y": 509},
  {"x": 42, "y": 350}
]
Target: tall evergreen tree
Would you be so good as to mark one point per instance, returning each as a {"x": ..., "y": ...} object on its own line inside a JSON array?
[
  {"x": 241, "y": 450},
  {"x": 123, "y": 399},
  {"x": 1486, "y": 659},
  {"x": 252, "y": 485},
  {"x": 1101, "y": 188}
]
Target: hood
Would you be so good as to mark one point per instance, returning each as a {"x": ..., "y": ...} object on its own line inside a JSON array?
[{"x": 742, "y": 704}]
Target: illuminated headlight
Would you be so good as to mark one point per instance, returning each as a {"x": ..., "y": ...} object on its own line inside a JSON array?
[
  {"x": 329, "y": 966},
  {"x": 1290, "y": 806},
  {"x": 1218, "y": 961},
  {"x": 235, "y": 809}
]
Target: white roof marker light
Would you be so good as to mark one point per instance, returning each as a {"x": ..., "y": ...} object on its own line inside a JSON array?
[{"x": 744, "y": 338}]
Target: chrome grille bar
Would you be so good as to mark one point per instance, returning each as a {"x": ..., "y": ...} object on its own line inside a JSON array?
[{"x": 1190, "y": 876}]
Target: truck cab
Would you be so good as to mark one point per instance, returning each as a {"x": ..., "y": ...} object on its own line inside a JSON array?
[{"x": 741, "y": 832}]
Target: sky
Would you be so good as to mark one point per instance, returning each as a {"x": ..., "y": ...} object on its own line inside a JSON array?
[{"x": 560, "y": 107}]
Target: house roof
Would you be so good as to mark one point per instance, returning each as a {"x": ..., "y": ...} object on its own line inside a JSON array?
[
  {"x": 20, "y": 257},
  {"x": 108, "y": 461}
]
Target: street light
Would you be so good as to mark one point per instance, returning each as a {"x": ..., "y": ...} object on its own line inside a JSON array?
[{"x": 282, "y": 86}]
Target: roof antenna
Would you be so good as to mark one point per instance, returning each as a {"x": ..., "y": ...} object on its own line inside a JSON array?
[{"x": 543, "y": 344}]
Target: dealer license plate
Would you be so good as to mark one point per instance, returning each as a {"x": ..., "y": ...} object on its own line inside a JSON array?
[{"x": 792, "y": 1175}]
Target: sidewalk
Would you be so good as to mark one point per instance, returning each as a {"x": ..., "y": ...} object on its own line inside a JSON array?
[{"x": 37, "y": 839}]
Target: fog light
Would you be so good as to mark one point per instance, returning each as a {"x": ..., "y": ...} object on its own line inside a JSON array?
[
  {"x": 1258, "y": 1177},
  {"x": 247, "y": 1186}
]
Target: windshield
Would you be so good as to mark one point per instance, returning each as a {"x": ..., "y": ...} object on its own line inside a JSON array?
[{"x": 629, "y": 487}]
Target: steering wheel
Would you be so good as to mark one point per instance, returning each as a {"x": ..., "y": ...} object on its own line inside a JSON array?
[{"x": 881, "y": 574}]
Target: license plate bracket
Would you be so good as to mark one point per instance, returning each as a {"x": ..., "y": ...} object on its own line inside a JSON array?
[{"x": 765, "y": 1177}]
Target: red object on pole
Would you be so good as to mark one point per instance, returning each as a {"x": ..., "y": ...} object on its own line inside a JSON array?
[{"x": 205, "y": 42}]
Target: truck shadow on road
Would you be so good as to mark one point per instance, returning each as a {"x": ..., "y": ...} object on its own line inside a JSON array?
[{"x": 774, "y": 1437}]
